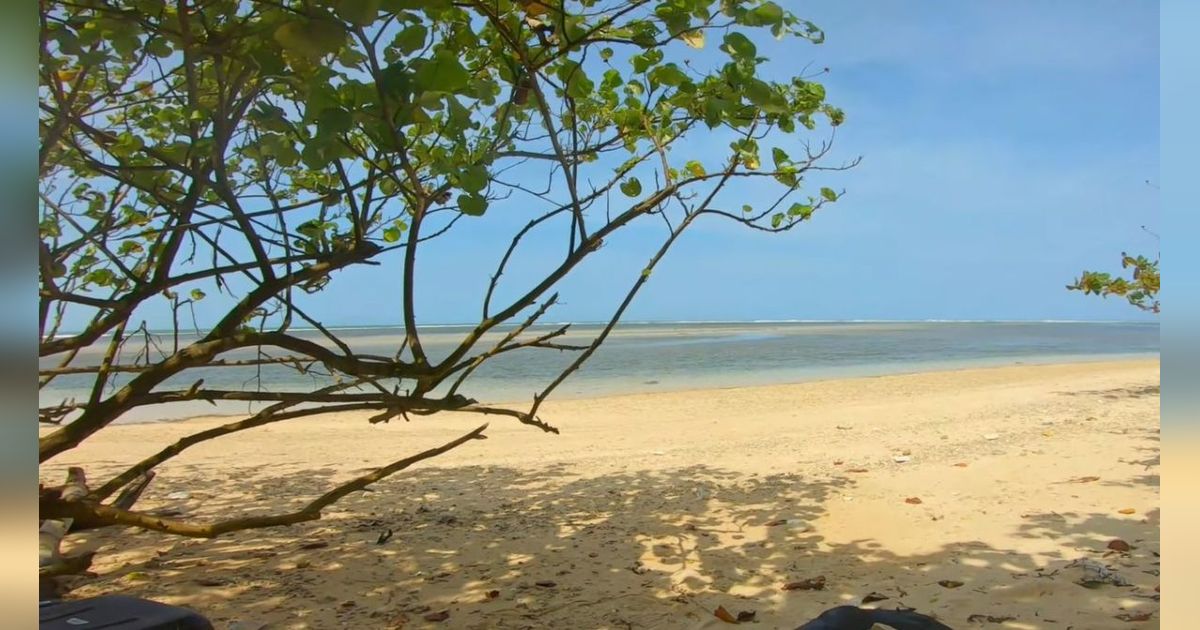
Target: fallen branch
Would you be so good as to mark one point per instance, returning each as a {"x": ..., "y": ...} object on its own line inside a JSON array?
[
  {"x": 92, "y": 514},
  {"x": 76, "y": 487},
  {"x": 51, "y": 562},
  {"x": 133, "y": 491}
]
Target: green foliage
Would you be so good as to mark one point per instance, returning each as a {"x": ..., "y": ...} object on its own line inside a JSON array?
[
  {"x": 631, "y": 187},
  {"x": 1140, "y": 288},
  {"x": 244, "y": 154}
]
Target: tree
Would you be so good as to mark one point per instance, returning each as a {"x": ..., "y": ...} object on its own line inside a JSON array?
[
  {"x": 1141, "y": 288},
  {"x": 248, "y": 152}
]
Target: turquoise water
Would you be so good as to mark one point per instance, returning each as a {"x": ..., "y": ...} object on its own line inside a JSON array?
[{"x": 644, "y": 357}]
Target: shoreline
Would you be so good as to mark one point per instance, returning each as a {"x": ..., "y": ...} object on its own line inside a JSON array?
[{"x": 904, "y": 370}]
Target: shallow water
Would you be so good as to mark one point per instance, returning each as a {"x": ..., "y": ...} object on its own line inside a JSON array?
[{"x": 641, "y": 357}]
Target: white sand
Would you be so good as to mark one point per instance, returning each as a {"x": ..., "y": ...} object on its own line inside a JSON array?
[{"x": 652, "y": 510}]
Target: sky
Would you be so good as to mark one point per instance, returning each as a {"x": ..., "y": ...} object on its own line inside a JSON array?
[{"x": 1005, "y": 145}]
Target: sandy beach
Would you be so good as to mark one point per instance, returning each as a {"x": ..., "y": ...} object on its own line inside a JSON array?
[{"x": 971, "y": 495}]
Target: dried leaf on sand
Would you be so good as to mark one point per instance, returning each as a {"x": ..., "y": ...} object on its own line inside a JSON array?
[{"x": 1117, "y": 544}]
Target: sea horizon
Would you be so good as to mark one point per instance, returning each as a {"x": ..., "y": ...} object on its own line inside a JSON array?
[{"x": 669, "y": 322}]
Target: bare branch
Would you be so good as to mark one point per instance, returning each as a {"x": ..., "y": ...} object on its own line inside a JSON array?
[{"x": 92, "y": 514}]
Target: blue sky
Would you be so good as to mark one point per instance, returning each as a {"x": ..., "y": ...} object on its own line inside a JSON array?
[
  {"x": 1005, "y": 145},
  {"x": 1005, "y": 148}
]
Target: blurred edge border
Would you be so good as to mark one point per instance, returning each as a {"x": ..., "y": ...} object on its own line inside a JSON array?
[
  {"x": 1180, "y": 336},
  {"x": 18, "y": 313}
]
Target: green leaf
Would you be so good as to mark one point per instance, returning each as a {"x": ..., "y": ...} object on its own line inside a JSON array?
[
  {"x": 780, "y": 157},
  {"x": 739, "y": 46},
  {"x": 474, "y": 205},
  {"x": 443, "y": 73},
  {"x": 606, "y": 53},
  {"x": 642, "y": 62},
  {"x": 410, "y": 40},
  {"x": 126, "y": 145},
  {"x": 668, "y": 74},
  {"x": 714, "y": 111},
  {"x": 766, "y": 14},
  {"x": 396, "y": 81},
  {"x": 767, "y": 97},
  {"x": 102, "y": 277},
  {"x": 159, "y": 47},
  {"x": 334, "y": 121},
  {"x": 828, "y": 194},
  {"x": 836, "y": 116},
  {"x": 747, "y": 208},
  {"x": 577, "y": 83},
  {"x": 787, "y": 177},
  {"x": 800, "y": 210},
  {"x": 643, "y": 33},
  {"x": 391, "y": 234},
  {"x": 358, "y": 12},
  {"x": 777, "y": 220},
  {"x": 631, "y": 187},
  {"x": 746, "y": 150},
  {"x": 269, "y": 117},
  {"x": 695, "y": 168},
  {"x": 673, "y": 16},
  {"x": 311, "y": 39},
  {"x": 197, "y": 295},
  {"x": 473, "y": 178}
]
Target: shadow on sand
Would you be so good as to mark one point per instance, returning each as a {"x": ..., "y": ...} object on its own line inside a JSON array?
[{"x": 509, "y": 548}]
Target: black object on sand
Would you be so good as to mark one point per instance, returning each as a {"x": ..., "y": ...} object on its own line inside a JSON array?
[
  {"x": 854, "y": 618},
  {"x": 117, "y": 612}
]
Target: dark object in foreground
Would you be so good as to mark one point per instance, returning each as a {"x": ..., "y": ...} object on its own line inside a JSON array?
[
  {"x": 853, "y": 618},
  {"x": 117, "y": 612}
]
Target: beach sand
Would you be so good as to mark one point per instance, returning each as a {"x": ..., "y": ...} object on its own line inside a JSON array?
[{"x": 652, "y": 510}]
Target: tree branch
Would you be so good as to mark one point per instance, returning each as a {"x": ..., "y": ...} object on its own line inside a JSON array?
[{"x": 93, "y": 514}]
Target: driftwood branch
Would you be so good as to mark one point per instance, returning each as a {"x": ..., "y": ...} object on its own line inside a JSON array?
[
  {"x": 134, "y": 491},
  {"x": 93, "y": 514},
  {"x": 51, "y": 562}
]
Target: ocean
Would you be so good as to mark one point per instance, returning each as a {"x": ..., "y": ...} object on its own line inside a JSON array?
[{"x": 653, "y": 356}]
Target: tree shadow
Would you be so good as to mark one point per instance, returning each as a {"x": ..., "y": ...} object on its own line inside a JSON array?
[{"x": 501, "y": 547}]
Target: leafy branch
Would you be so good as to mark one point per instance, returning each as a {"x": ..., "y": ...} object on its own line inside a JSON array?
[{"x": 242, "y": 156}]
